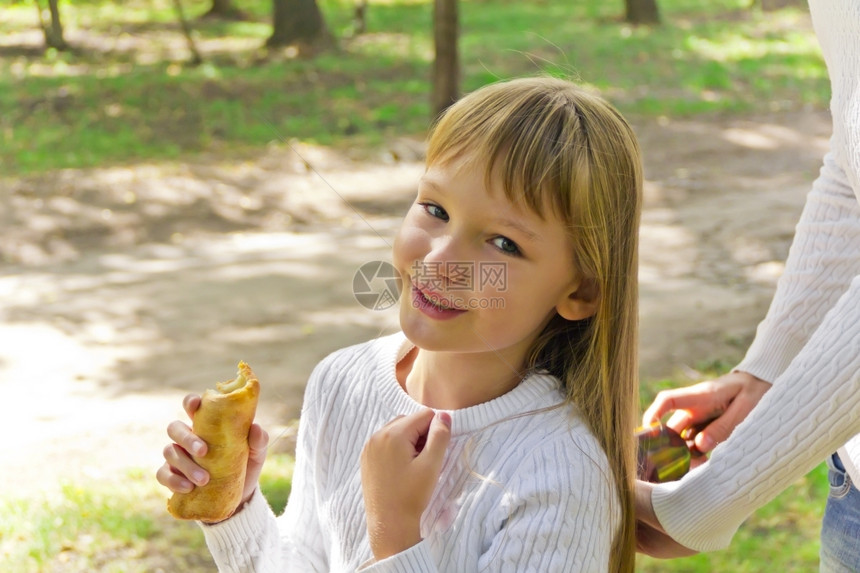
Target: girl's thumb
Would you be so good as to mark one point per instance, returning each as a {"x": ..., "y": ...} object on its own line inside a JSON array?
[{"x": 438, "y": 438}]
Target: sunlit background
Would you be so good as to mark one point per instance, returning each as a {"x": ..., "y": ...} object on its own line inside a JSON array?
[{"x": 164, "y": 218}]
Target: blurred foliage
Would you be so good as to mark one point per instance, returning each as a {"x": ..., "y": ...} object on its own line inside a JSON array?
[
  {"x": 781, "y": 536},
  {"x": 127, "y": 94},
  {"x": 276, "y": 480},
  {"x": 120, "y": 526}
]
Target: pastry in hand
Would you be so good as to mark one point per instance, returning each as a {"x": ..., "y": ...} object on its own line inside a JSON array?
[{"x": 222, "y": 421}]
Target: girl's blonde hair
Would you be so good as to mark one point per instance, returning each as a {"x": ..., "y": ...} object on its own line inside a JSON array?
[{"x": 556, "y": 146}]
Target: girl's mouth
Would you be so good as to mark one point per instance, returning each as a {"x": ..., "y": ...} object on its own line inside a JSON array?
[{"x": 434, "y": 305}]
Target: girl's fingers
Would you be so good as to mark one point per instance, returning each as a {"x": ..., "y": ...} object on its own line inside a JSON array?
[
  {"x": 403, "y": 434},
  {"x": 394, "y": 422},
  {"x": 415, "y": 427},
  {"x": 424, "y": 434},
  {"x": 181, "y": 464},
  {"x": 191, "y": 403},
  {"x": 176, "y": 454},
  {"x": 173, "y": 481},
  {"x": 179, "y": 473},
  {"x": 438, "y": 438},
  {"x": 180, "y": 433},
  {"x": 258, "y": 442}
]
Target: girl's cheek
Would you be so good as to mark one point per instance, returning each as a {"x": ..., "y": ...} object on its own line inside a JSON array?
[
  {"x": 409, "y": 245},
  {"x": 497, "y": 278}
]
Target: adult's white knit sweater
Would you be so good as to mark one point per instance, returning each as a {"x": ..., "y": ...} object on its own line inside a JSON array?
[
  {"x": 808, "y": 345},
  {"x": 524, "y": 485}
]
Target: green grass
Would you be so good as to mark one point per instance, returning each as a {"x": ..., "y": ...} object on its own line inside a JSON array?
[
  {"x": 117, "y": 527},
  {"x": 105, "y": 104},
  {"x": 781, "y": 536}
]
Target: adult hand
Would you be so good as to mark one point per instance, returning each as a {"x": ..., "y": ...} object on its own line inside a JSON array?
[
  {"x": 181, "y": 474},
  {"x": 651, "y": 538},
  {"x": 725, "y": 401},
  {"x": 400, "y": 467}
]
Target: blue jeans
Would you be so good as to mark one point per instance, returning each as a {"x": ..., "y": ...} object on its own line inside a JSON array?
[{"x": 840, "y": 530}]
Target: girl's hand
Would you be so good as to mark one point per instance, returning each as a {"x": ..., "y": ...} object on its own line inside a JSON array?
[
  {"x": 180, "y": 474},
  {"x": 400, "y": 466}
]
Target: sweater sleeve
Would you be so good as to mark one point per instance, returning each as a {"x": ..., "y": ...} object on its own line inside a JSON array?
[
  {"x": 563, "y": 513},
  {"x": 559, "y": 514},
  {"x": 810, "y": 412},
  {"x": 254, "y": 540},
  {"x": 824, "y": 257}
]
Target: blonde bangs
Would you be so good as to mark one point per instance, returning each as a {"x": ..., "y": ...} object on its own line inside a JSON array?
[{"x": 522, "y": 134}]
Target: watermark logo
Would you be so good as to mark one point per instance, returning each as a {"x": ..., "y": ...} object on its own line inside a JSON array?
[
  {"x": 461, "y": 275},
  {"x": 377, "y": 285},
  {"x": 456, "y": 278}
]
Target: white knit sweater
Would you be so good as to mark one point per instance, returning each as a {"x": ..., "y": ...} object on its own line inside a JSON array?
[
  {"x": 523, "y": 487},
  {"x": 809, "y": 343}
]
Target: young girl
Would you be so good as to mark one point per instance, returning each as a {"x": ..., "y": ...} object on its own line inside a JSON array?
[{"x": 495, "y": 433}]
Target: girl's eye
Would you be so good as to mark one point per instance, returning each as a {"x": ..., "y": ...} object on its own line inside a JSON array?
[
  {"x": 435, "y": 211},
  {"x": 506, "y": 245}
]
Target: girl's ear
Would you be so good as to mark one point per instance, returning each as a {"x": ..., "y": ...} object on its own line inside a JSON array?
[{"x": 581, "y": 303}]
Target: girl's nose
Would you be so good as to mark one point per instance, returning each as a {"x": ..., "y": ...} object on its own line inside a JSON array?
[
  {"x": 442, "y": 250},
  {"x": 450, "y": 261},
  {"x": 452, "y": 250}
]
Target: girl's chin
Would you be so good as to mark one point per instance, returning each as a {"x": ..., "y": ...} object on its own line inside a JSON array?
[
  {"x": 426, "y": 337},
  {"x": 432, "y": 339}
]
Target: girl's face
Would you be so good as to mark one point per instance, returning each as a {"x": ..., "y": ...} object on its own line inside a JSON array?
[{"x": 481, "y": 273}]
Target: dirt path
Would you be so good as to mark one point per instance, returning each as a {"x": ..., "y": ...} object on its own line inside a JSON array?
[{"x": 125, "y": 288}]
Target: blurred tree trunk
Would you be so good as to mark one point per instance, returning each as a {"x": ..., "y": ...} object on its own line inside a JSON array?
[
  {"x": 196, "y": 59},
  {"x": 225, "y": 10},
  {"x": 446, "y": 65},
  {"x": 221, "y": 7},
  {"x": 642, "y": 12},
  {"x": 359, "y": 21},
  {"x": 53, "y": 31},
  {"x": 298, "y": 22}
]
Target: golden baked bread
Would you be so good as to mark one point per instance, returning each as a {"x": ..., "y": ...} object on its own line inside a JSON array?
[{"x": 222, "y": 421}]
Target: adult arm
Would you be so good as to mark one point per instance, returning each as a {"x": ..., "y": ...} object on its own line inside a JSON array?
[
  {"x": 824, "y": 257},
  {"x": 813, "y": 408},
  {"x": 790, "y": 432}
]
